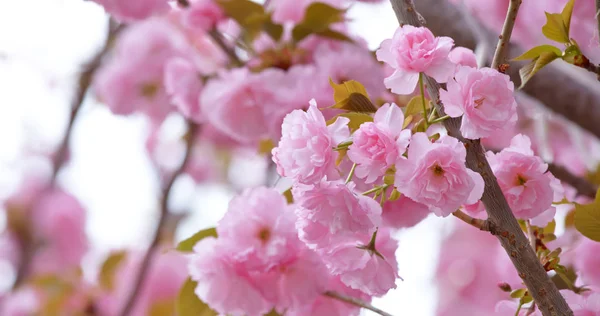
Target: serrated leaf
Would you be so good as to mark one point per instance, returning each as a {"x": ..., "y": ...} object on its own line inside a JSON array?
[
  {"x": 538, "y": 50},
  {"x": 109, "y": 268},
  {"x": 188, "y": 244},
  {"x": 188, "y": 304},
  {"x": 566, "y": 14},
  {"x": 317, "y": 19},
  {"x": 555, "y": 28},
  {"x": 288, "y": 196},
  {"x": 265, "y": 146},
  {"x": 415, "y": 106},
  {"x": 534, "y": 66},
  {"x": 587, "y": 219},
  {"x": 518, "y": 293},
  {"x": 356, "y": 120}
]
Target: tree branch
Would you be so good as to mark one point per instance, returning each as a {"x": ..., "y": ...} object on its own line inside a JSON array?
[
  {"x": 504, "y": 39},
  {"x": 582, "y": 186},
  {"x": 577, "y": 99},
  {"x": 164, "y": 211},
  {"x": 510, "y": 234},
  {"x": 218, "y": 38},
  {"x": 480, "y": 224},
  {"x": 60, "y": 157},
  {"x": 355, "y": 301}
]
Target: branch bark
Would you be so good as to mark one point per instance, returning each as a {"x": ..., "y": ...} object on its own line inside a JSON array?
[
  {"x": 164, "y": 211},
  {"x": 582, "y": 186},
  {"x": 480, "y": 224},
  {"x": 356, "y": 302},
  {"x": 60, "y": 156},
  {"x": 511, "y": 236},
  {"x": 564, "y": 89},
  {"x": 504, "y": 40}
]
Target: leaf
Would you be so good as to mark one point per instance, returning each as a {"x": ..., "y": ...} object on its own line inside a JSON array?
[
  {"x": 518, "y": 293},
  {"x": 188, "y": 304},
  {"x": 317, "y": 19},
  {"x": 109, "y": 268},
  {"x": 415, "y": 106},
  {"x": 329, "y": 33},
  {"x": 273, "y": 313},
  {"x": 587, "y": 219},
  {"x": 288, "y": 196},
  {"x": 352, "y": 96},
  {"x": 566, "y": 14},
  {"x": 395, "y": 195},
  {"x": 568, "y": 273},
  {"x": 188, "y": 244},
  {"x": 526, "y": 299},
  {"x": 534, "y": 66},
  {"x": 356, "y": 120},
  {"x": 555, "y": 28},
  {"x": 538, "y": 50},
  {"x": 570, "y": 219},
  {"x": 265, "y": 146},
  {"x": 274, "y": 30},
  {"x": 549, "y": 229},
  {"x": 252, "y": 17},
  {"x": 162, "y": 308},
  {"x": 341, "y": 155}
]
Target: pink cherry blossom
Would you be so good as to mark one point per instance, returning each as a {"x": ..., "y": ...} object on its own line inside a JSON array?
[
  {"x": 292, "y": 11},
  {"x": 435, "y": 175},
  {"x": 415, "y": 50},
  {"x": 224, "y": 286},
  {"x": 245, "y": 105},
  {"x": 377, "y": 145},
  {"x": 203, "y": 15},
  {"x": 373, "y": 273},
  {"x": 327, "y": 306},
  {"x": 134, "y": 10},
  {"x": 404, "y": 213},
  {"x": 22, "y": 302},
  {"x": 584, "y": 304},
  {"x": 183, "y": 84},
  {"x": 587, "y": 262},
  {"x": 484, "y": 97},
  {"x": 332, "y": 207},
  {"x": 259, "y": 227},
  {"x": 523, "y": 178},
  {"x": 463, "y": 56},
  {"x": 305, "y": 151}
]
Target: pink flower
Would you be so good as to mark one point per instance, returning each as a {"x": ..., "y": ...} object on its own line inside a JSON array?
[
  {"x": 259, "y": 229},
  {"x": 463, "y": 56},
  {"x": 203, "y": 15},
  {"x": 288, "y": 11},
  {"x": 305, "y": 150},
  {"x": 507, "y": 307},
  {"x": 245, "y": 105},
  {"x": 21, "y": 302},
  {"x": 183, "y": 84},
  {"x": 415, "y": 50},
  {"x": 134, "y": 10},
  {"x": 587, "y": 261},
  {"x": 225, "y": 287},
  {"x": 523, "y": 178},
  {"x": 435, "y": 175},
  {"x": 332, "y": 207},
  {"x": 404, "y": 213},
  {"x": 584, "y": 304},
  {"x": 373, "y": 273},
  {"x": 484, "y": 97},
  {"x": 377, "y": 145},
  {"x": 327, "y": 306}
]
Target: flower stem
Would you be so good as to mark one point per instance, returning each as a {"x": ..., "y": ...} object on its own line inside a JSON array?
[
  {"x": 351, "y": 173},
  {"x": 421, "y": 87},
  {"x": 356, "y": 302},
  {"x": 377, "y": 188},
  {"x": 439, "y": 119}
]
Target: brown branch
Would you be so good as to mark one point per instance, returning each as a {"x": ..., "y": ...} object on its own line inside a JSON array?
[
  {"x": 356, "y": 302},
  {"x": 510, "y": 234},
  {"x": 480, "y": 224},
  {"x": 578, "y": 98},
  {"x": 164, "y": 211},
  {"x": 218, "y": 38},
  {"x": 60, "y": 157},
  {"x": 582, "y": 186},
  {"x": 504, "y": 39},
  {"x": 598, "y": 18}
]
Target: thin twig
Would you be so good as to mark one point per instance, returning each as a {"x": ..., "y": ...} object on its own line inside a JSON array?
[
  {"x": 504, "y": 39},
  {"x": 356, "y": 302},
  {"x": 218, "y": 38},
  {"x": 480, "y": 224},
  {"x": 510, "y": 235},
  {"x": 598, "y": 19},
  {"x": 60, "y": 157},
  {"x": 164, "y": 211},
  {"x": 582, "y": 186}
]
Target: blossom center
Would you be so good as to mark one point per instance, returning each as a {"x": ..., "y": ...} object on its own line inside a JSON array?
[
  {"x": 438, "y": 170},
  {"x": 264, "y": 235},
  {"x": 520, "y": 180},
  {"x": 149, "y": 90},
  {"x": 479, "y": 102}
]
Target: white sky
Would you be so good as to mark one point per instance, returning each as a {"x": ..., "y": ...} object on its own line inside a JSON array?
[{"x": 42, "y": 43}]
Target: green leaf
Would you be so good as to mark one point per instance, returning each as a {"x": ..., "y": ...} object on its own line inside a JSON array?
[
  {"x": 549, "y": 229},
  {"x": 356, "y": 120},
  {"x": 265, "y": 146},
  {"x": 351, "y": 96},
  {"x": 566, "y": 14},
  {"x": 518, "y": 293},
  {"x": 329, "y": 33},
  {"x": 288, "y": 196},
  {"x": 162, "y": 308},
  {"x": 109, "y": 268},
  {"x": 188, "y": 244},
  {"x": 555, "y": 28},
  {"x": 188, "y": 304},
  {"x": 534, "y": 66},
  {"x": 317, "y": 19},
  {"x": 415, "y": 106},
  {"x": 274, "y": 30},
  {"x": 526, "y": 299},
  {"x": 537, "y": 51},
  {"x": 587, "y": 219},
  {"x": 252, "y": 17}
]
